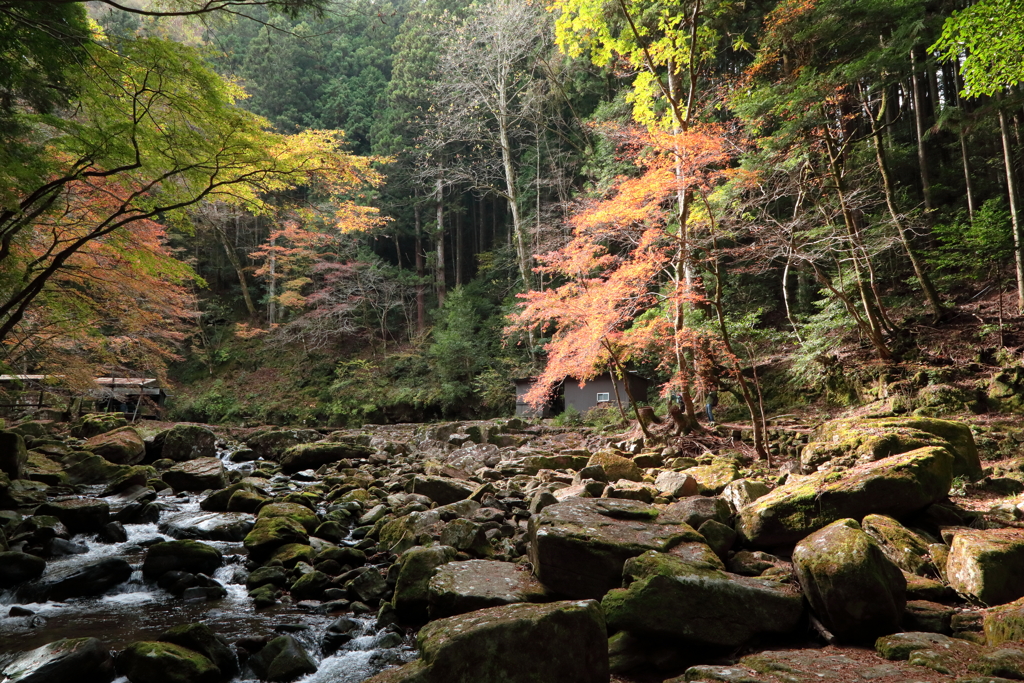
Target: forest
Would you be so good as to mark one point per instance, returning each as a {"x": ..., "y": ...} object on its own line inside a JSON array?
[{"x": 331, "y": 212}]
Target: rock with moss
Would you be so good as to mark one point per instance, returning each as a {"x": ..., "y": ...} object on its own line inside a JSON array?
[
  {"x": 900, "y": 646},
  {"x": 615, "y": 465},
  {"x": 269, "y": 444},
  {"x": 695, "y": 510},
  {"x": 185, "y": 555},
  {"x": 898, "y": 485},
  {"x": 1004, "y": 623},
  {"x": 39, "y": 467},
  {"x": 459, "y": 587},
  {"x": 416, "y": 528},
  {"x": 908, "y": 550},
  {"x": 293, "y": 511},
  {"x": 308, "y": 456},
  {"x": 93, "y": 424},
  {"x": 159, "y": 662},
  {"x": 121, "y": 446},
  {"x": 185, "y": 442},
  {"x": 712, "y": 479},
  {"x": 290, "y": 554},
  {"x": 853, "y": 441},
  {"x": 271, "y": 533},
  {"x": 856, "y": 591},
  {"x": 208, "y": 526},
  {"x": 128, "y": 477},
  {"x": 201, "y": 474},
  {"x": 442, "y": 490},
  {"x": 282, "y": 659},
  {"x": 13, "y": 454},
  {"x": 698, "y": 602},
  {"x": 523, "y": 643},
  {"x": 218, "y": 500},
  {"x": 17, "y": 567},
  {"x": 72, "y": 660},
  {"x": 79, "y": 515},
  {"x": 83, "y": 467},
  {"x": 412, "y": 589},
  {"x": 987, "y": 564},
  {"x": 578, "y": 547},
  {"x": 533, "y": 464},
  {"x": 310, "y": 586},
  {"x": 202, "y": 639}
]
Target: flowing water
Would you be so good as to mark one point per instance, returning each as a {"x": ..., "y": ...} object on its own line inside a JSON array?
[{"x": 139, "y": 610}]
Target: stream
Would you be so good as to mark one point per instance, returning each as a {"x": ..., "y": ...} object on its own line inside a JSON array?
[{"x": 140, "y": 610}]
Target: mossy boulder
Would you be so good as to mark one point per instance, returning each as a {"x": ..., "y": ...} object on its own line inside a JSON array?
[
  {"x": 412, "y": 589},
  {"x": 269, "y": 444},
  {"x": 293, "y": 511},
  {"x": 79, "y": 515},
  {"x": 458, "y": 587},
  {"x": 127, "y": 477},
  {"x": 282, "y": 659},
  {"x": 442, "y": 490},
  {"x": 616, "y": 466},
  {"x": 712, "y": 479},
  {"x": 908, "y": 550},
  {"x": 533, "y": 464},
  {"x": 271, "y": 533},
  {"x": 72, "y": 660},
  {"x": 856, "y": 591},
  {"x": 987, "y": 564},
  {"x": 158, "y": 662},
  {"x": 290, "y": 554},
  {"x": 16, "y": 567},
  {"x": 13, "y": 454},
  {"x": 39, "y": 467},
  {"x": 184, "y": 555},
  {"x": 185, "y": 442},
  {"x": 83, "y": 467},
  {"x": 698, "y": 602},
  {"x": 578, "y": 547},
  {"x": 202, "y": 639},
  {"x": 522, "y": 643},
  {"x": 89, "y": 426},
  {"x": 895, "y": 486},
  {"x": 1004, "y": 623},
  {"x": 201, "y": 474},
  {"x": 310, "y": 456},
  {"x": 853, "y": 441},
  {"x": 310, "y": 586},
  {"x": 121, "y": 446}
]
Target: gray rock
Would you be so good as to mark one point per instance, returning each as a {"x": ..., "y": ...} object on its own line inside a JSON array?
[
  {"x": 415, "y": 569},
  {"x": 209, "y": 526},
  {"x": 459, "y": 587},
  {"x": 282, "y": 659},
  {"x": 185, "y": 442},
  {"x": 18, "y": 567},
  {"x": 200, "y": 474},
  {"x": 93, "y": 578},
  {"x": 73, "y": 660},
  {"x": 678, "y": 484},
  {"x": 441, "y": 490},
  {"x": 696, "y": 510}
]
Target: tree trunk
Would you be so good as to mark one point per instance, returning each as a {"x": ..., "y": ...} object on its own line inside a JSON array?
[
  {"x": 421, "y": 304},
  {"x": 236, "y": 263},
  {"x": 922, "y": 159},
  {"x": 439, "y": 239},
  {"x": 1011, "y": 191}
]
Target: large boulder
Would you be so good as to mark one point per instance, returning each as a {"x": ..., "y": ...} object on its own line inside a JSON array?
[
  {"x": 415, "y": 569},
  {"x": 200, "y": 474},
  {"x": 122, "y": 446},
  {"x": 578, "y": 547},
  {"x": 158, "y": 662},
  {"x": 79, "y": 515},
  {"x": 208, "y": 526},
  {"x": 442, "y": 490},
  {"x": 13, "y": 454},
  {"x": 852, "y": 441},
  {"x": 75, "y": 581},
  {"x": 18, "y": 567},
  {"x": 615, "y": 466},
  {"x": 83, "y": 467},
  {"x": 310, "y": 456},
  {"x": 269, "y": 534},
  {"x": 712, "y": 479},
  {"x": 856, "y": 591},
  {"x": 188, "y": 442},
  {"x": 89, "y": 426},
  {"x": 186, "y": 555},
  {"x": 908, "y": 551},
  {"x": 895, "y": 486},
  {"x": 293, "y": 511},
  {"x": 523, "y": 643},
  {"x": 271, "y": 443},
  {"x": 698, "y": 602},
  {"x": 987, "y": 564},
  {"x": 459, "y": 587},
  {"x": 282, "y": 659},
  {"x": 72, "y": 660},
  {"x": 201, "y": 638}
]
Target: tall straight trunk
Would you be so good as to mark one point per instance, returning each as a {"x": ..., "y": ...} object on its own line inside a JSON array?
[
  {"x": 439, "y": 240},
  {"x": 272, "y": 286},
  {"x": 421, "y": 304},
  {"x": 458, "y": 248},
  {"x": 890, "y": 201},
  {"x": 236, "y": 263},
  {"x": 967, "y": 174},
  {"x": 922, "y": 159},
  {"x": 1011, "y": 191}
]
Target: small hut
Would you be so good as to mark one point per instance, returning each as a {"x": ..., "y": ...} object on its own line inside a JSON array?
[
  {"x": 601, "y": 390},
  {"x": 524, "y": 409},
  {"x": 133, "y": 396}
]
